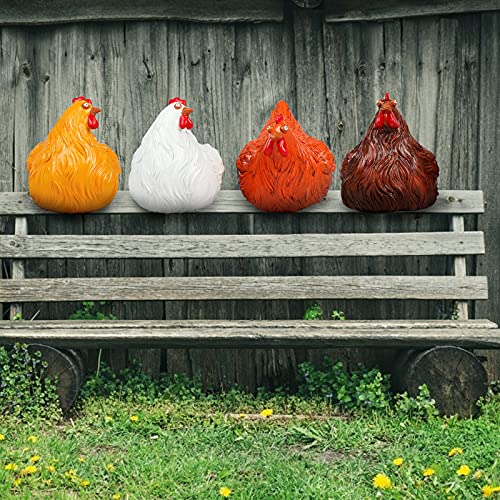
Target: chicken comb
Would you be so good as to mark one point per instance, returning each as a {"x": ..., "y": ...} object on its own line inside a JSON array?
[
  {"x": 386, "y": 97},
  {"x": 279, "y": 118},
  {"x": 81, "y": 98},
  {"x": 177, "y": 99}
]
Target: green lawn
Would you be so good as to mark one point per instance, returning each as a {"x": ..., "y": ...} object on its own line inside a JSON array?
[{"x": 192, "y": 448}]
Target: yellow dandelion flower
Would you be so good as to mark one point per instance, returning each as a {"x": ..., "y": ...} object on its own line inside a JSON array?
[
  {"x": 10, "y": 466},
  {"x": 477, "y": 474},
  {"x": 464, "y": 470},
  {"x": 110, "y": 468},
  {"x": 489, "y": 490},
  {"x": 51, "y": 469},
  {"x": 455, "y": 451},
  {"x": 47, "y": 482},
  {"x": 17, "y": 482},
  {"x": 84, "y": 483},
  {"x": 266, "y": 413},
  {"x": 82, "y": 459},
  {"x": 35, "y": 458},
  {"x": 381, "y": 481},
  {"x": 29, "y": 469},
  {"x": 108, "y": 418},
  {"x": 32, "y": 439},
  {"x": 428, "y": 472},
  {"x": 71, "y": 474},
  {"x": 225, "y": 491},
  {"x": 2, "y": 437},
  {"x": 116, "y": 496},
  {"x": 134, "y": 418},
  {"x": 398, "y": 461}
]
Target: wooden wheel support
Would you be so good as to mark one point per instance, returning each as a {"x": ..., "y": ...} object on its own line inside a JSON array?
[
  {"x": 64, "y": 367},
  {"x": 455, "y": 377}
]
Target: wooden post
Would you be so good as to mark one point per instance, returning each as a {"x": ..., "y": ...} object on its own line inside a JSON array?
[
  {"x": 17, "y": 270},
  {"x": 460, "y": 267}
]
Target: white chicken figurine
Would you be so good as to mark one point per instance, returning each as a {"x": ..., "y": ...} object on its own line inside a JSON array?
[{"x": 171, "y": 171}]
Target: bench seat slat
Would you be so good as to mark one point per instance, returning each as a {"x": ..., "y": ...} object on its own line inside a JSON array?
[
  {"x": 245, "y": 245},
  {"x": 257, "y": 334},
  {"x": 242, "y": 324},
  {"x": 245, "y": 288},
  {"x": 232, "y": 201}
]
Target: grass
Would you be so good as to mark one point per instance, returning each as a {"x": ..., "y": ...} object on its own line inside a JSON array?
[{"x": 189, "y": 449}]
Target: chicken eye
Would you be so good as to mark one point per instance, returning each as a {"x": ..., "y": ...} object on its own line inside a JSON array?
[
  {"x": 86, "y": 105},
  {"x": 269, "y": 128},
  {"x": 177, "y": 105},
  {"x": 284, "y": 128}
]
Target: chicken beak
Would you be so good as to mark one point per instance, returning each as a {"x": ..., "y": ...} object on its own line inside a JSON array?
[
  {"x": 187, "y": 111},
  {"x": 94, "y": 111}
]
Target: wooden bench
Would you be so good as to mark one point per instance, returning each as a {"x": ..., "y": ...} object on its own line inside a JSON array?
[{"x": 436, "y": 352}]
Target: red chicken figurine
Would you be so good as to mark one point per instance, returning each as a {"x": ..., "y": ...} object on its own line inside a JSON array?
[
  {"x": 389, "y": 170},
  {"x": 284, "y": 169}
]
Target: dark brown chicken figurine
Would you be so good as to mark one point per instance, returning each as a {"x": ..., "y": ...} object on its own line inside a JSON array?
[{"x": 389, "y": 170}]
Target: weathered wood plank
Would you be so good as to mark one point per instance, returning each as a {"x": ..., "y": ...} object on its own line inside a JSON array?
[
  {"x": 17, "y": 266},
  {"x": 213, "y": 75},
  {"x": 246, "y": 288},
  {"x": 8, "y": 54},
  {"x": 419, "y": 83},
  {"x": 66, "y": 11},
  {"x": 238, "y": 246},
  {"x": 232, "y": 201},
  {"x": 338, "y": 11},
  {"x": 262, "y": 334},
  {"x": 243, "y": 324},
  {"x": 150, "y": 76},
  {"x": 458, "y": 226}
]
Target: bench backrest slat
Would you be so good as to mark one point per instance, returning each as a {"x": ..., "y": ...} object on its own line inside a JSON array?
[
  {"x": 238, "y": 246},
  {"x": 456, "y": 243},
  {"x": 246, "y": 288},
  {"x": 231, "y": 201}
]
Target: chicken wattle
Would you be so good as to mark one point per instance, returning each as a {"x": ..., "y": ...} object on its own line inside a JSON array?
[
  {"x": 284, "y": 169},
  {"x": 389, "y": 170},
  {"x": 171, "y": 171},
  {"x": 71, "y": 172}
]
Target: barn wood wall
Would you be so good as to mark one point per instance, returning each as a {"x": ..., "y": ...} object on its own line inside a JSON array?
[{"x": 442, "y": 70}]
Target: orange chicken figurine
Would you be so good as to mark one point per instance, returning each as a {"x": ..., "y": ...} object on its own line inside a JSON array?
[
  {"x": 71, "y": 172},
  {"x": 284, "y": 169}
]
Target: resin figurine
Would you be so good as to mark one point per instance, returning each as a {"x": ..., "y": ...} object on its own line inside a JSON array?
[
  {"x": 389, "y": 170},
  {"x": 71, "y": 172},
  {"x": 171, "y": 171},
  {"x": 284, "y": 169}
]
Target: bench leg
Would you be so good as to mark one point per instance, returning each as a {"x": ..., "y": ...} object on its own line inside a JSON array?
[
  {"x": 455, "y": 377},
  {"x": 65, "y": 365}
]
